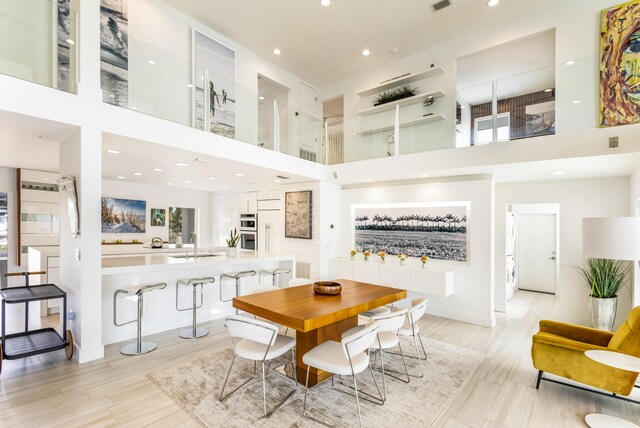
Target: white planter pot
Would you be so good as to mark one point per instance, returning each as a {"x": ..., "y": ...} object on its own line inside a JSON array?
[
  {"x": 603, "y": 312},
  {"x": 231, "y": 251}
]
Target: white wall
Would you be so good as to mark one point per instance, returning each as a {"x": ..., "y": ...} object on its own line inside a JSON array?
[
  {"x": 602, "y": 197},
  {"x": 634, "y": 210},
  {"x": 473, "y": 297},
  {"x": 575, "y": 38},
  {"x": 160, "y": 197}
]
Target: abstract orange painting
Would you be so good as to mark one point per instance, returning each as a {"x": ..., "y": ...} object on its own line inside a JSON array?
[{"x": 620, "y": 65}]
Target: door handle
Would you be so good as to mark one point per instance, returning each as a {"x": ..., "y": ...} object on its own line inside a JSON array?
[{"x": 552, "y": 258}]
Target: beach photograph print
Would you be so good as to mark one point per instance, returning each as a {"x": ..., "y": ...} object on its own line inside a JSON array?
[
  {"x": 215, "y": 88},
  {"x": 123, "y": 215},
  {"x": 114, "y": 52},
  {"x": 620, "y": 65},
  {"x": 438, "y": 232}
]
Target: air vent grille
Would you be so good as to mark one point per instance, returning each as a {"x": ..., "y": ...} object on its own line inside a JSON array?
[{"x": 441, "y": 5}]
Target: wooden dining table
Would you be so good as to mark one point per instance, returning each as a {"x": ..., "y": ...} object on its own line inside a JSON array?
[{"x": 317, "y": 318}]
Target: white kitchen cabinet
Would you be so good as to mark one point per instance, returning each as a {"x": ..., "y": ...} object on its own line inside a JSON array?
[
  {"x": 225, "y": 216},
  {"x": 248, "y": 202},
  {"x": 275, "y": 194},
  {"x": 270, "y": 231}
]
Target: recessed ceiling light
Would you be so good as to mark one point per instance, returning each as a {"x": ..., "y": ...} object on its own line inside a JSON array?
[
  {"x": 239, "y": 174},
  {"x": 325, "y": 3},
  {"x": 152, "y": 62},
  {"x": 492, "y": 3},
  {"x": 276, "y": 181},
  {"x": 424, "y": 175},
  {"x": 189, "y": 85},
  {"x": 369, "y": 180},
  {"x": 225, "y": 186},
  {"x": 113, "y": 152},
  {"x": 188, "y": 181},
  {"x": 182, "y": 164},
  {"x": 549, "y": 90},
  {"x": 212, "y": 178},
  {"x": 576, "y": 101},
  {"x": 137, "y": 173},
  {"x": 169, "y": 184},
  {"x": 261, "y": 97},
  {"x": 277, "y": 51},
  {"x": 557, "y": 172},
  {"x": 71, "y": 42},
  {"x": 121, "y": 177},
  {"x": 570, "y": 62},
  {"x": 366, "y": 52},
  {"x": 157, "y": 169},
  {"x": 112, "y": 96}
]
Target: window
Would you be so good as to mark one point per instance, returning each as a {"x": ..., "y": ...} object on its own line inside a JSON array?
[
  {"x": 182, "y": 221},
  {"x": 483, "y": 133}
]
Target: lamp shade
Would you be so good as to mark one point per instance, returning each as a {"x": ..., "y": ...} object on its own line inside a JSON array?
[{"x": 616, "y": 238}]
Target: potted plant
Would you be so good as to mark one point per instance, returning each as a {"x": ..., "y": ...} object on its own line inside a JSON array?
[
  {"x": 605, "y": 278},
  {"x": 232, "y": 243}
]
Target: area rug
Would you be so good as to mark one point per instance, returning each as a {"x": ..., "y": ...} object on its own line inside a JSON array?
[{"x": 195, "y": 385}]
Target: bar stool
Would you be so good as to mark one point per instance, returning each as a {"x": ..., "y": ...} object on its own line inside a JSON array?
[
  {"x": 139, "y": 347},
  {"x": 193, "y": 332},
  {"x": 273, "y": 272},
  {"x": 236, "y": 276}
]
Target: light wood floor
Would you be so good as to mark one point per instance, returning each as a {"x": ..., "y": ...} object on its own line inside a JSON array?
[{"x": 48, "y": 390}]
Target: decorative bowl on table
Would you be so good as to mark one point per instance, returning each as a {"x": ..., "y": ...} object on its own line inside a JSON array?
[{"x": 327, "y": 287}]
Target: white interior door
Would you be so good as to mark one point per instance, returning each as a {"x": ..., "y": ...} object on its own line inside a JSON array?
[{"x": 536, "y": 257}]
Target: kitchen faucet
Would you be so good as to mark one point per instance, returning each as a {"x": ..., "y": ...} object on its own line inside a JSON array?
[{"x": 193, "y": 238}]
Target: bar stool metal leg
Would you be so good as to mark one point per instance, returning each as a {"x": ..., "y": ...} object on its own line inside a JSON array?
[
  {"x": 139, "y": 347},
  {"x": 194, "y": 332}
]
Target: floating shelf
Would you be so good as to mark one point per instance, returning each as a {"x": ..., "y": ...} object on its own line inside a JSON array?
[
  {"x": 415, "y": 99},
  {"x": 412, "y": 77},
  {"x": 419, "y": 121}
]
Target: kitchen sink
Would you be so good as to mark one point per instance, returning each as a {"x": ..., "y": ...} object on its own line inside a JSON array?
[{"x": 190, "y": 256}]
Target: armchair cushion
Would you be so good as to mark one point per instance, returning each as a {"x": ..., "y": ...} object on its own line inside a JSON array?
[{"x": 576, "y": 332}]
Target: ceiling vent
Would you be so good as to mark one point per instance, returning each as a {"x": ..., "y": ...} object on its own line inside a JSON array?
[
  {"x": 282, "y": 177},
  {"x": 441, "y": 5}
]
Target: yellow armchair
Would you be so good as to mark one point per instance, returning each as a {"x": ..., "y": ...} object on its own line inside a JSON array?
[{"x": 559, "y": 348}]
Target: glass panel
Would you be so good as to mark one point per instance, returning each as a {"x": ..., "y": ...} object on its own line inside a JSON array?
[
  {"x": 428, "y": 124},
  {"x": 577, "y": 98},
  {"x": 472, "y": 103},
  {"x": 38, "y": 42},
  {"x": 374, "y": 137},
  {"x": 182, "y": 221},
  {"x": 300, "y": 134}
]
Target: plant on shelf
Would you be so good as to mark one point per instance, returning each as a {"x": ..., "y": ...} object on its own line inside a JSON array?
[
  {"x": 402, "y": 258},
  {"x": 605, "y": 278},
  {"x": 396, "y": 94},
  {"x": 382, "y": 255},
  {"x": 234, "y": 237},
  {"x": 424, "y": 260},
  {"x": 366, "y": 254}
]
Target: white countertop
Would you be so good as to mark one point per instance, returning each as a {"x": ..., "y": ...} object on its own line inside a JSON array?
[{"x": 114, "y": 265}]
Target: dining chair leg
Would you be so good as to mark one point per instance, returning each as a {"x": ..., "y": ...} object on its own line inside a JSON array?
[
  {"x": 415, "y": 342},
  {"x": 264, "y": 392},
  {"x": 404, "y": 363},
  {"x": 293, "y": 367},
  {"x": 355, "y": 387},
  {"x": 384, "y": 384},
  {"x": 306, "y": 390},
  {"x": 422, "y": 345},
  {"x": 227, "y": 378},
  {"x": 375, "y": 382},
  {"x": 332, "y": 383}
]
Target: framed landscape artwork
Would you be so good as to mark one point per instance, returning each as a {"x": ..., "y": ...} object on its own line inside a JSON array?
[
  {"x": 297, "y": 214},
  {"x": 214, "y": 86},
  {"x": 438, "y": 231},
  {"x": 158, "y": 217},
  {"x": 619, "y": 64},
  {"x": 123, "y": 215},
  {"x": 114, "y": 51}
]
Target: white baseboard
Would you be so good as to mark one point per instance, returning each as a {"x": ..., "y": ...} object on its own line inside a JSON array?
[
  {"x": 464, "y": 317},
  {"x": 500, "y": 308}
]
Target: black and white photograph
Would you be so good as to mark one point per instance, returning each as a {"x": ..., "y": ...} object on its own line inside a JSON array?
[
  {"x": 64, "y": 51},
  {"x": 438, "y": 232},
  {"x": 214, "y": 86},
  {"x": 114, "y": 51},
  {"x": 540, "y": 119}
]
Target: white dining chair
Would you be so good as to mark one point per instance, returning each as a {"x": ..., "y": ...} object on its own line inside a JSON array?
[
  {"x": 412, "y": 329},
  {"x": 296, "y": 282},
  {"x": 348, "y": 357},
  {"x": 386, "y": 338},
  {"x": 257, "y": 341}
]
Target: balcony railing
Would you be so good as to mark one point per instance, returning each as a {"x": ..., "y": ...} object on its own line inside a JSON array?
[{"x": 38, "y": 42}]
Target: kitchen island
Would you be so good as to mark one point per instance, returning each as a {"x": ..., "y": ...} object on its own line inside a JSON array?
[{"x": 160, "y": 313}]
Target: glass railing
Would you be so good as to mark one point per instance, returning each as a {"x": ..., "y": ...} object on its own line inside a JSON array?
[
  {"x": 537, "y": 103},
  {"x": 163, "y": 85},
  {"x": 38, "y": 42}
]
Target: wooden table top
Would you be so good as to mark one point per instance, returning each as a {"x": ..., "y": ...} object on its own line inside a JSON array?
[{"x": 303, "y": 310}]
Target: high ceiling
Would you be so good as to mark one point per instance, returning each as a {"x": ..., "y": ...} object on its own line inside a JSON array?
[{"x": 324, "y": 44}]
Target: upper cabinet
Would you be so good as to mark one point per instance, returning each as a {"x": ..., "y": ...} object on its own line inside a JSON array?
[{"x": 248, "y": 202}]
